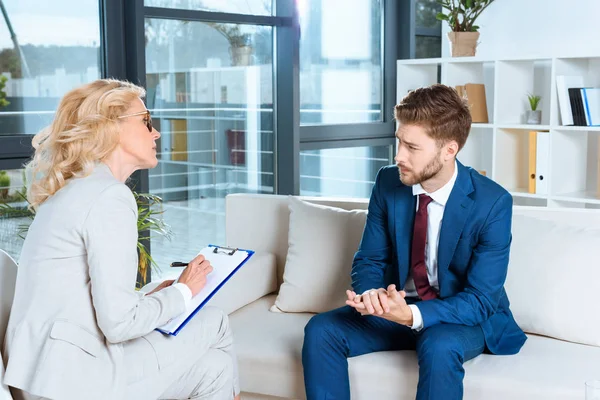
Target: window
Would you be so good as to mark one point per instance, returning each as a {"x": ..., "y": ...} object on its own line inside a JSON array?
[
  {"x": 346, "y": 95},
  {"x": 428, "y": 39},
  {"x": 56, "y": 48},
  {"x": 254, "y": 7},
  {"x": 340, "y": 61},
  {"x": 213, "y": 105},
  {"x": 46, "y": 49},
  {"x": 13, "y": 210},
  {"x": 343, "y": 172}
]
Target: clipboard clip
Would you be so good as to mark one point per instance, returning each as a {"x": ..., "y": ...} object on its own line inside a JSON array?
[{"x": 225, "y": 250}]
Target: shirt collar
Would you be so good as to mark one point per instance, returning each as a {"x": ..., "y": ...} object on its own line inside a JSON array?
[{"x": 442, "y": 194}]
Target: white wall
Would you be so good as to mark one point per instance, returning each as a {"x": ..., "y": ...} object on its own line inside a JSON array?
[{"x": 545, "y": 28}]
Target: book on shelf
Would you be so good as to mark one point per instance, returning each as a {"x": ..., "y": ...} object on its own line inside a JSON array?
[
  {"x": 591, "y": 104},
  {"x": 578, "y": 105},
  {"x": 563, "y": 84},
  {"x": 474, "y": 93}
]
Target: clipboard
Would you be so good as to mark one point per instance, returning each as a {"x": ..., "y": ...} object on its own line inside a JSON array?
[{"x": 226, "y": 261}]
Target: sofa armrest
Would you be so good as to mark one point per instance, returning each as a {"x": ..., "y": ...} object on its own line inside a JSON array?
[{"x": 255, "y": 279}]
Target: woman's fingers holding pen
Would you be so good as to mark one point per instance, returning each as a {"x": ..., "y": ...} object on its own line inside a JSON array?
[{"x": 194, "y": 275}]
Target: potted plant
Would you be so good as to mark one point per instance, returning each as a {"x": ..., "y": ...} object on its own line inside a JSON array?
[
  {"x": 240, "y": 45},
  {"x": 534, "y": 116},
  {"x": 461, "y": 16},
  {"x": 4, "y": 185},
  {"x": 148, "y": 222}
]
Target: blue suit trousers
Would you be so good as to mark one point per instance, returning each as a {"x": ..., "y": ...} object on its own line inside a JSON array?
[{"x": 331, "y": 337}]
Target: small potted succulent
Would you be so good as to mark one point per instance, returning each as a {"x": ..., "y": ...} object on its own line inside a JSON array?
[{"x": 534, "y": 116}]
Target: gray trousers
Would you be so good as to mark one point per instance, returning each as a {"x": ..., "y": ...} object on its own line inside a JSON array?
[{"x": 198, "y": 363}]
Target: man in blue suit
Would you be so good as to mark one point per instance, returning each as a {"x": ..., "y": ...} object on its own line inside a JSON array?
[{"x": 441, "y": 232}]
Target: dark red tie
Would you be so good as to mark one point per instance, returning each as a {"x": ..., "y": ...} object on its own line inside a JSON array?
[{"x": 419, "y": 268}]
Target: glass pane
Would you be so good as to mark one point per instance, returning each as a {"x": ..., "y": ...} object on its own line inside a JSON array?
[
  {"x": 13, "y": 210},
  {"x": 213, "y": 105},
  {"x": 340, "y": 61},
  {"x": 428, "y": 47},
  {"x": 345, "y": 172},
  {"x": 55, "y": 48},
  {"x": 253, "y": 7},
  {"x": 426, "y": 10}
]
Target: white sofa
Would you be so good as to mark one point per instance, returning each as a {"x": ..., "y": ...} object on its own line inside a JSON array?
[{"x": 551, "y": 365}]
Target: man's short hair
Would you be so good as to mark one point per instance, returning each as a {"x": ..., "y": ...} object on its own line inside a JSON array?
[{"x": 440, "y": 110}]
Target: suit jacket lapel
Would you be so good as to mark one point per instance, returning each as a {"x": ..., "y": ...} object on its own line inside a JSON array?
[
  {"x": 404, "y": 216},
  {"x": 456, "y": 213}
]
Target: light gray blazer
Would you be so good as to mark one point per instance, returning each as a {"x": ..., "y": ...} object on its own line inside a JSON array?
[{"x": 75, "y": 300}]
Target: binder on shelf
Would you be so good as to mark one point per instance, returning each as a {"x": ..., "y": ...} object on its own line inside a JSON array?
[
  {"x": 475, "y": 95},
  {"x": 225, "y": 261},
  {"x": 542, "y": 162},
  {"x": 532, "y": 162}
]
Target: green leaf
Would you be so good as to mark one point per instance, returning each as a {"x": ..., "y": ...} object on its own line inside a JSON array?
[{"x": 441, "y": 16}]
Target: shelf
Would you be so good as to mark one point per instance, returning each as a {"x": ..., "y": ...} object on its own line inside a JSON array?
[
  {"x": 578, "y": 197},
  {"x": 524, "y": 127},
  {"x": 576, "y": 128},
  {"x": 420, "y": 61},
  {"x": 502, "y": 148},
  {"x": 459, "y": 60},
  {"x": 522, "y": 192}
]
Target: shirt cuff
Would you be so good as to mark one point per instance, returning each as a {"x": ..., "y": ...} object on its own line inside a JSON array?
[
  {"x": 185, "y": 292},
  {"x": 417, "y": 318},
  {"x": 366, "y": 291}
]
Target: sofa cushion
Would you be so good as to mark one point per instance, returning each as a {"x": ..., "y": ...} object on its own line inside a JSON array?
[
  {"x": 322, "y": 243},
  {"x": 553, "y": 279},
  {"x": 269, "y": 346}
]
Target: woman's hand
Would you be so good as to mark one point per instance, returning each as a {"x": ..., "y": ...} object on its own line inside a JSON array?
[
  {"x": 161, "y": 286},
  {"x": 194, "y": 275}
]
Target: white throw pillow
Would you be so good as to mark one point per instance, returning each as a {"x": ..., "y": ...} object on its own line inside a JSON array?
[
  {"x": 322, "y": 242},
  {"x": 553, "y": 279}
]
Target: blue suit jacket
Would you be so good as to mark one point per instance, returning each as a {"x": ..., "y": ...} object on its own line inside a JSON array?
[{"x": 473, "y": 252}]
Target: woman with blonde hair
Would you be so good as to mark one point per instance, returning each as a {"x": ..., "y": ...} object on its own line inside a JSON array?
[{"x": 78, "y": 329}]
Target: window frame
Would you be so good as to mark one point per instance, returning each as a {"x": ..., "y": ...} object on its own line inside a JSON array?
[
  {"x": 122, "y": 56},
  {"x": 365, "y": 133}
]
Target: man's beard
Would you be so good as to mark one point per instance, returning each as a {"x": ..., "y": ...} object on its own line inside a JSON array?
[{"x": 431, "y": 169}]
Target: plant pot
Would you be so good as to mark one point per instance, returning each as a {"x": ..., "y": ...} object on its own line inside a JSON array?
[
  {"x": 241, "y": 56},
  {"x": 463, "y": 44},
  {"x": 534, "y": 117}
]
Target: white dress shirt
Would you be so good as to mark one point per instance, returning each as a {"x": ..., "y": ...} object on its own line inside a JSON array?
[{"x": 435, "y": 213}]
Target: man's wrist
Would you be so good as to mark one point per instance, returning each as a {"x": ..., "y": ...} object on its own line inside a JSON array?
[
  {"x": 409, "y": 319},
  {"x": 417, "y": 318}
]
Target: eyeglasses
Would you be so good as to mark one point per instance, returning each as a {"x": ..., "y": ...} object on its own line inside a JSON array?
[{"x": 148, "y": 118}]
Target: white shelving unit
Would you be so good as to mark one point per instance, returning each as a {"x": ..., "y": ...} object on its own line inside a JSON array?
[{"x": 501, "y": 147}]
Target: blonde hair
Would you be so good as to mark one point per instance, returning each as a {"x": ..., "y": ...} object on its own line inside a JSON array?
[{"x": 85, "y": 130}]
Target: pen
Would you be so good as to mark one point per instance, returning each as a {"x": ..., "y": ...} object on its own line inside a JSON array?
[{"x": 178, "y": 264}]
